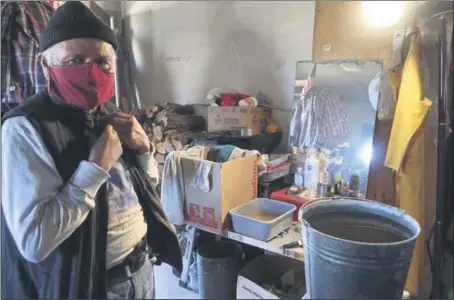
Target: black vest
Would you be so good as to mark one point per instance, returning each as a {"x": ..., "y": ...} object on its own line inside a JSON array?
[{"x": 77, "y": 268}]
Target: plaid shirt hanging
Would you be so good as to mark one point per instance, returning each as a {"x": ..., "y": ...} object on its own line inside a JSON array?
[
  {"x": 319, "y": 120},
  {"x": 22, "y": 22}
]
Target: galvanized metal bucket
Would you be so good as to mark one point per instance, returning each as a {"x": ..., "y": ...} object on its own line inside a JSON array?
[
  {"x": 356, "y": 249},
  {"x": 218, "y": 265}
]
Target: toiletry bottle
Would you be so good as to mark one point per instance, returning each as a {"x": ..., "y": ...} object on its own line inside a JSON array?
[
  {"x": 337, "y": 184},
  {"x": 354, "y": 185},
  {"x": 332, "y": 192},
  {"x": 299, "y": 177},
  {"x": 323, "y": 189},
  {"x": 312, "y": 172}
]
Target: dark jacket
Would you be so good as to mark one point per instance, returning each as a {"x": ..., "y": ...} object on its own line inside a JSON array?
[{"x": 77, "y": 268}]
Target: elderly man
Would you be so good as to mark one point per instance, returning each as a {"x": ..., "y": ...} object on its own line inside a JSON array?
[{"x": 80, "y": 215}]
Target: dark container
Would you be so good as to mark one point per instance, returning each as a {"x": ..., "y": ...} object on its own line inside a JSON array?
[{"x": 218, "y": 265}]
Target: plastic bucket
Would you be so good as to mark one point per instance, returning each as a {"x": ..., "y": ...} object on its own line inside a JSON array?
[
  {"x": 218, "y": 266},
  {"x": 356, "y": 249}
]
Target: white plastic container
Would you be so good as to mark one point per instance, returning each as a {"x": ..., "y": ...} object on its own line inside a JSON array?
[
  {"x": 312, "y": 172},
  {"x": 262, "y": 219},
  {"x": 299, "y": 177}
]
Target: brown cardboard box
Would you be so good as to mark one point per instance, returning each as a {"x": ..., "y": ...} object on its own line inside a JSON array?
[
  {"x": 232, "y": 183},
  {"x": 235, "y": 117}
]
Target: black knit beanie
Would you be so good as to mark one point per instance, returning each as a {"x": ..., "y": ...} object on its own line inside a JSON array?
[{"x": 75, "y": 20}]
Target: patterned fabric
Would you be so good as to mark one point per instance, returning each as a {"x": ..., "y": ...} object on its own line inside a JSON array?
[
  {"x": 307, "y": 87},
  {"x": 22, "y": 22},
  {"x": 319, "y": 120}
]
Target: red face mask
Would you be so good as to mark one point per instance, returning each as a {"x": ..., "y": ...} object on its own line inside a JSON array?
[{"x": 85, "y": 86}]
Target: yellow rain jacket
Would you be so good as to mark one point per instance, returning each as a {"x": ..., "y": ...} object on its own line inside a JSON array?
[{"x": 405, "y": 153}]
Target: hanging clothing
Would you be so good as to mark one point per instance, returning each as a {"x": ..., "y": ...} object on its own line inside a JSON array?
[
  {"x": 22, "y": 23},
  {"x": 389, "y": 84},
  {"x": 405, "y": 154},
  {"x": 319, "y": 120},
  {"x": 412, "y": 114},
  {"x": 307, "y": 87}
]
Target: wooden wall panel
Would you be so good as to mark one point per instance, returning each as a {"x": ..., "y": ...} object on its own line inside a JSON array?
[
  {"x": 341, "y": 24},
  {"x": 380, "y": 185}
]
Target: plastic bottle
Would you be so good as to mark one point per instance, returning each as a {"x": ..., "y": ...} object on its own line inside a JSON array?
[
  {"x": 323, "y": 177},
  {"x": 323, "y": 188},
  {"x": 312, "y": 172},
  {"x": 354, "y": 185},
  {"x": 299, "y": 177},
  {"x": 337, "y": 182}
]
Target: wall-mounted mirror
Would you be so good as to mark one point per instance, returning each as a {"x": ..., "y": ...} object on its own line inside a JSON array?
[{"x": 334, "y": 112}]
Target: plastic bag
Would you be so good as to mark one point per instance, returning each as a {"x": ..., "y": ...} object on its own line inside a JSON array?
[
  {"x": 374, "y": 90},
  {"x": 381, "y": 96},
  {"x": 386, "y": 101}
]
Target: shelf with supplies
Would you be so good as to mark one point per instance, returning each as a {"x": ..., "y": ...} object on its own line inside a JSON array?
[{"x": 275, "y": 245}]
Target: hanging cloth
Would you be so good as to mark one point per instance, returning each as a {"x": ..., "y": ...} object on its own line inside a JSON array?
[
  {"x": 405, "y": 153},
  {"x": 319, "y": 120},
  {"x": 310, "y": 83},
  {"x": 411, "y": 109},
  {"x": 22, "y": 75}
]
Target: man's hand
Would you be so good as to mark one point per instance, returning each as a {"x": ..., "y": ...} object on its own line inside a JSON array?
[
  {"x": 106, "y": 150},
  {"x": 130, "y": 132}
]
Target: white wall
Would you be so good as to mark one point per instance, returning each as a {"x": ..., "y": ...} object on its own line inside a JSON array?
[
  {"x": 107, "y": 5},
  {"x": 181, "y": 49}
]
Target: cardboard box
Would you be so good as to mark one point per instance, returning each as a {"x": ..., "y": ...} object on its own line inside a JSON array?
[
  {"x": 235, "y": 118},
  {"x": 268, "y": 270},
  {"x": 232, "y": 183}
]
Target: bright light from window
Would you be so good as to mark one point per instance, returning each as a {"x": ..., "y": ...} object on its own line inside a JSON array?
[
  {"x": 382, "y": 14},
  {"x": 365, "y": 153}
]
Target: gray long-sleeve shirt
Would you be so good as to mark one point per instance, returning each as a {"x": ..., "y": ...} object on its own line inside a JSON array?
[{"x": 41, "y": 210}]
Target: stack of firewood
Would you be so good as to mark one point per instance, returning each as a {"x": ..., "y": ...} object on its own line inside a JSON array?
[{"x": 169, "y": 127}]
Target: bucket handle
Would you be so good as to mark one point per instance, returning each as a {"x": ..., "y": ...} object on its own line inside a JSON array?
[
  {"x": 401, "y": 211},
  {"x": 317, "y": 200}
]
